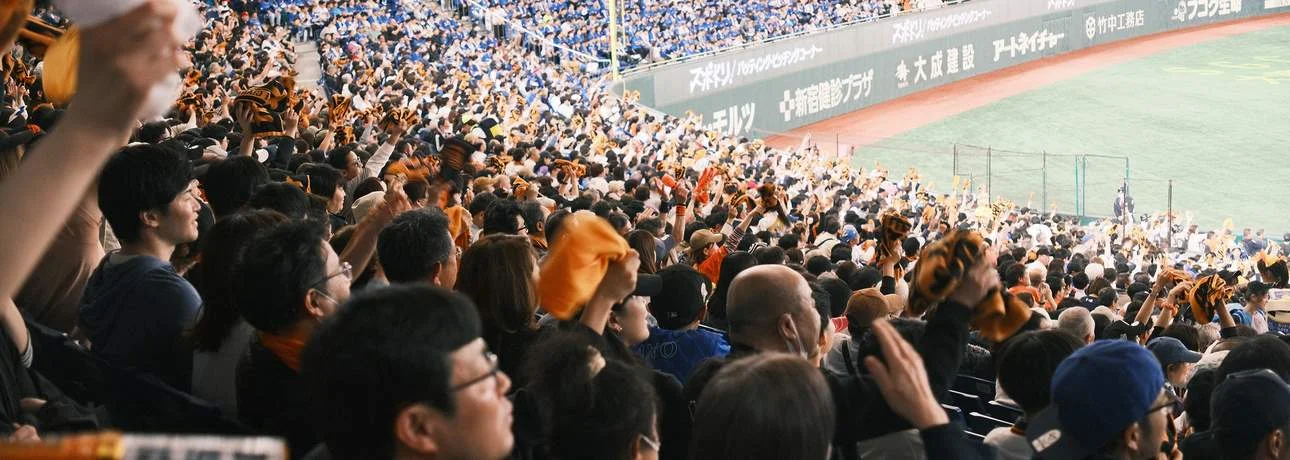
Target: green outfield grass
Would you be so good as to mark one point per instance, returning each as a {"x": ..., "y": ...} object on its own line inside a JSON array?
[{"x": 1214, "y": 117}]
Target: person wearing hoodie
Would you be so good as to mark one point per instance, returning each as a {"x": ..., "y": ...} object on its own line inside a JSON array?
[{"x": 135, "y": 306}]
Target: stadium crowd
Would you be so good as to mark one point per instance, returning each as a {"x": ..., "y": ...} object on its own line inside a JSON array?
[
  {"x": 451, "y": 249},
  {"x": 669, "y": 29}
]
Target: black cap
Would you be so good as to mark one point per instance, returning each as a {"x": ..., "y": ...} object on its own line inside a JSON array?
[
  {"x": 647, "y": 285},
  {"x": 1120, "y": 329},
  {"x": 680, "y": 298},
  {"x": 1246, "y": 407}
]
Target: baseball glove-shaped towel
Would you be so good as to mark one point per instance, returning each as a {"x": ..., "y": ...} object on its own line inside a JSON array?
[{"x": 942, "y": 265}]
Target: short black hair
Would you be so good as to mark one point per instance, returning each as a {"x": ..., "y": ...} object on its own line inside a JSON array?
[
  {"x": 388, "y": 349},
  {"x": 339, "y": 157},
  {"x": 229, "y": 183},
  {"x": 554, "y": 223},
  {"x": 1026, "y": 362},
  {"x": 413, "y": 244},
  {"x": 323, "y": 179},
  {"x": 839, "y": 294},
  {"x": 1080, "y": 281},
  {"x": 1185, "y": 333},
  {"x": 281, "y": 197},
  {"x": 532, "y": 212},
  {"x": 276, "y": 271},
  {"x": 481, "y": 202},
  {"x": 140, "y": 178},
  {"x": 590, "y": 414},
  {"x": 1107, "y": 297},
  {"x": 789, "y": 241},
  {"x": 1261, "y": 352},
  {"x": 817, "y": 265},
  {"x": 865, "y": 278},
  {"x": 500, "y": 217}
]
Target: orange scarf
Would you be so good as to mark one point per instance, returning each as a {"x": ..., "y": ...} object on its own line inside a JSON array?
[{"x": 286, "y": 348}]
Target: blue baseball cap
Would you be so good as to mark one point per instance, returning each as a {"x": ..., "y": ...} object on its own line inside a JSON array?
[
  {"x": 1097, "y": 392},
  {"x": 1169, "y": 350}
]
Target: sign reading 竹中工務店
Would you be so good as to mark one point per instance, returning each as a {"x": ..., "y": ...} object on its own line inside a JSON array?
[{"x": 787, "y": 84}]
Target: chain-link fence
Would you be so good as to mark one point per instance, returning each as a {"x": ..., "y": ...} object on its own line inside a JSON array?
[{"x": 1076, "y": 184}]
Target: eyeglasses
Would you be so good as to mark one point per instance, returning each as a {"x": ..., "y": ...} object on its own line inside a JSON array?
[
  {"x": 653, "y": 444},
  {"x": 1173, "y": 401},
  {"x": 346, "y": 270},
  {"x": 492, "y": 373}
]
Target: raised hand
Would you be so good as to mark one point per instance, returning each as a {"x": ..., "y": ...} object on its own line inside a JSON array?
[
  {"x": 902, "y": 379},
  {"x": 122, "y": 60}
]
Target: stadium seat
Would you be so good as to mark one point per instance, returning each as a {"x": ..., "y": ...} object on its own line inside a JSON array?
[
  {"x": 956, "y": 414},
  {"x": 968, "y": 402},
  {"x": 1002, "y": 411},
  {"x": 66, "y": 364},
  {"x": 982, "y": 423},
  {"x": 133, "y": 401},
  {"x": 972, "y": 385}
]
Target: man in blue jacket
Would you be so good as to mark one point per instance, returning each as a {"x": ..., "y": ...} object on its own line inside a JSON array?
[{"x": 136, "y": 307}]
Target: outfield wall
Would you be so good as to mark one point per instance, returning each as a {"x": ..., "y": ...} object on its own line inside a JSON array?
[{"x": 788, "y": 84}]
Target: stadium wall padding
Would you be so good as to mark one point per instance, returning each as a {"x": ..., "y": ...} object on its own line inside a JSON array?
[{"x": 784, "y": 85}]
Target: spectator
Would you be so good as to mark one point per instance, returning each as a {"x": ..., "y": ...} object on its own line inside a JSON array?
[
  {"x": 136, "y": 306},
  {"x": 1026, "y": 364},
  {"x": 1256, "y": 300},
  {"x": 734, "y": 264},
  {"x": 677, "y": 345},
  {"x": 1176, "y": 361},
  {"x": 499, "y": 273},
  {"x": 1108, "y": 399},
  {"x": 770, "y": 309},
  {"x": 230, "y": 183},
  {"x": 289, "y": 279},
  {"x": 1251, "y": 415},
  {"x": 402, "y": 372},
  {"x": 220, "y": 338},
  {"x": 417, "y": 248},
  {"x": 1077, "y": 322},
  {"x": 592, "y": 406},
  {"x": 764, "y": 406}
]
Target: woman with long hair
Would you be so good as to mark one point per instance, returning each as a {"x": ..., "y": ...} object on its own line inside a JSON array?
[
  {"x": 646, "y": 245},
  {"x": 500, "y": 273},
  {"x": 221, "y": 337}
]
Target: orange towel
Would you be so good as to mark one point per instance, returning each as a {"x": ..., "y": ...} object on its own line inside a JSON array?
[
  {"x": 458, "y": 224},
  {"x": 577, "y": 262}
]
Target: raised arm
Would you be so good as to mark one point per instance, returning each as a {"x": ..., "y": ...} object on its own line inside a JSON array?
[
  {"x": 128, "y": 55},
  {"x": 362, "y": 246}
]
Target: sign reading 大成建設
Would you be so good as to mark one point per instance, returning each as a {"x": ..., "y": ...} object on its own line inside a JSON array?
[{"x": 787, "y": 84}]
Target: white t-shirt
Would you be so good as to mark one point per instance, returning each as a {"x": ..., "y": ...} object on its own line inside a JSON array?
[{"x": 1011, "y": 446}]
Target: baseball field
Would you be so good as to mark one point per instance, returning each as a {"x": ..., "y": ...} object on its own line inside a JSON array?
[{"x": 1208, "y": 109}]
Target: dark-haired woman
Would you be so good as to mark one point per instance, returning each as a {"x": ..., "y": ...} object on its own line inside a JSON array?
[{"x": 220, "y": 337}]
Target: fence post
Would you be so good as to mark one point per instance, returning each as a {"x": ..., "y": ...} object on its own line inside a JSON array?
[
  {"x": 989, "y": 175},
  {"x": 956, "y": 158},
  {"x": 1083, "y": 190},
  {"x": 1076, "y": 188},
  {"x": 1169, "y": 243}
]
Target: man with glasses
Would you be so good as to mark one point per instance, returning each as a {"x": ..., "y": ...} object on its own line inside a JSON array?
[
  {"x": 135, "y": 306},
  {"x": 402, "y": 372},
  {"x": 289, "y": 280},
  {"x": 1108, "y": 401}
]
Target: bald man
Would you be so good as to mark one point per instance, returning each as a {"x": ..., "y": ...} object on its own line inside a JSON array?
[{"x": 770, "y": 310}]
